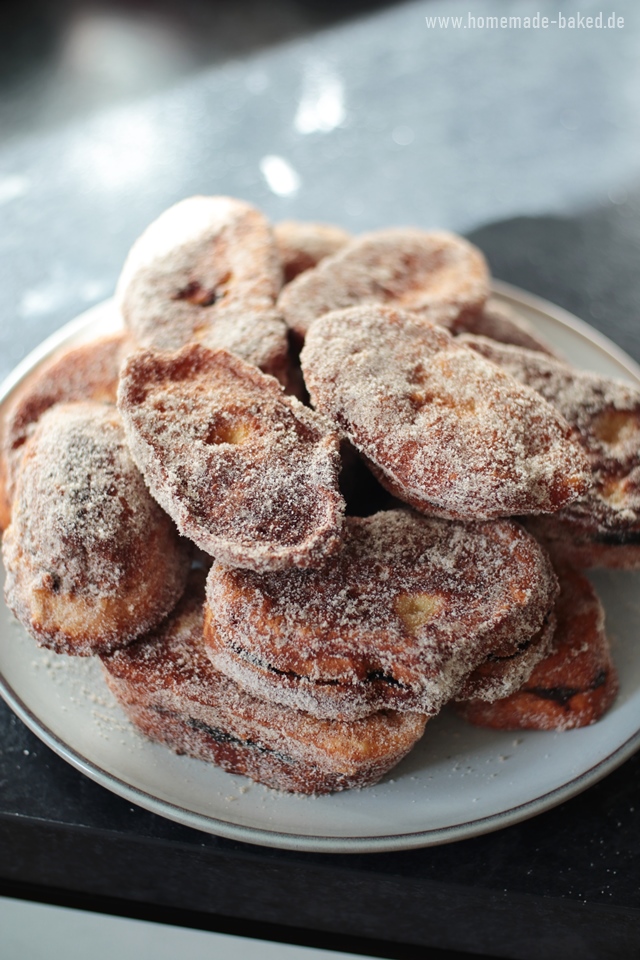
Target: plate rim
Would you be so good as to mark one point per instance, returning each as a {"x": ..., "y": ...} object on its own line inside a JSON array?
[{"x": 318, "y": 843}]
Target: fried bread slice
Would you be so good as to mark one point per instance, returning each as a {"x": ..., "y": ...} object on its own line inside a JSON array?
[
  {"x": 248, "y": 473},
  {"x": 571, "y": 687},
  {"x": 303, "y": 245},
  {"x": 438, "y": 275},
  {"x": 89, "y": 371},
  {"x": 171, "y": 691},
  {"x": 207, "y": 270},
  {"x": 601, "y": 528},
  {"x": 91, "y": 560},
  {"x": 498, "y": 676},
  {"x": 443, "y": 429},
  {"x": 407, "y": 609},
  {"x": 497, "y": 321}
]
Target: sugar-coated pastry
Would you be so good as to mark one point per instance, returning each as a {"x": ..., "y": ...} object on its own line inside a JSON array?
[
  {"x": 302, "y": 245},
  {"x": 248, "y": 473},
  {"x": 438, "y": 275},
  {"x": 207, "y": 270},
  {"x": 318, "y": 488},
  {"x": 444, "y": 430},
  {"x": 574, "y": 685},
  {"x": 504, "y": 324},
  {"x": 5, "y": 500},
  {"x": 398, "y": 618},
  {"x": 498, "y": 676},
  {"x": 89, "y": 371},
  {"x": 601, "y": 528},
  {"x": 171, "y": 691},
  {"x": 91, "y": 560}
]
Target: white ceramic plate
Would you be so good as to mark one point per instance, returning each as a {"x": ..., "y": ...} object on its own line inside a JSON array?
[{"x": 460, "y": 781}]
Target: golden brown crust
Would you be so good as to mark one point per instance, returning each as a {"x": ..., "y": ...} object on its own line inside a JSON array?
[
  {"x": 443, "y": 429},
  {"x": 601, "y": 528},
  {"x": 91, "y": 560},
  {"x": 438, "y": 275},
  {"x": 87, "y": 372},
  {"x": 574, "y": 685},
  {"x": 246, "y": 472},
  {"x": 208, "y": 271},
  {"x": 303, "y": 245},
  {"x": 498, "y": 676},
  {"x": 398, "y": 618},
  {"x": 170, "y": 689}
]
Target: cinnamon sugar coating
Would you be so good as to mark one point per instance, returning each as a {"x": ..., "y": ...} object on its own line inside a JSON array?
[
  {"x": 504, "y": 324},
  {"x": 443, "y": 429},
  {"x": 601, "y": 528},
  {"x": 91, "y": 560},
  {"x": 86, "y": 372},
  {"x": 574, "y": 685},
  {"x": 248, "y": 473},
  {"x": 171, "y": 691},
  {"x": 438, "y": 275},
  {"x": 302, "y": 245},
  {"x": 407, "y": 609},
  {"x": 498, "y": 676},
  {"x": 5, "y": 499},
  {"x": 324, "y": 644},
  {"x": 207, "y": 270}
]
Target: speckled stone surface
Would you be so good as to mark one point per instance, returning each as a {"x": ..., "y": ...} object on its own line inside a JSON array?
[{"x": 528, "y": 141}]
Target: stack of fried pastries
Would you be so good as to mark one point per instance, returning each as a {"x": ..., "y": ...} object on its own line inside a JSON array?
[{"x": 319, "y": 488}]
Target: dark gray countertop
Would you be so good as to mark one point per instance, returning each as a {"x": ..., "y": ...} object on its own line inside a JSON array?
[{"x": 528, "y": 141}]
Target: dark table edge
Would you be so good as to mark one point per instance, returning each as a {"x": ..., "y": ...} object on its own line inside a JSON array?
[{"x": 232, "y": 926}]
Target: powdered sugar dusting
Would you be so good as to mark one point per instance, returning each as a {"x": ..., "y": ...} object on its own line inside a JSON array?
[
  {"x": 574, "y": 684},
  {"x": 170, "y": 689},
  {"x": 88, "y": 372},
  {"x": 500, "y": 677},
  {"x": 410, "y": 604},
  {"x": 606, "y": 415},
  {"x": 77, "y": 574},
  {"x": 448, "y": 434},
  {"x": 438, "y": 275},
  {"x": 249, "y": 474},
  {"x": 326, "y": 647},
  {"x": 257, "y": 336},
  {"x": 201, "y": 259},
  {"x": 303, "y": 245}
]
